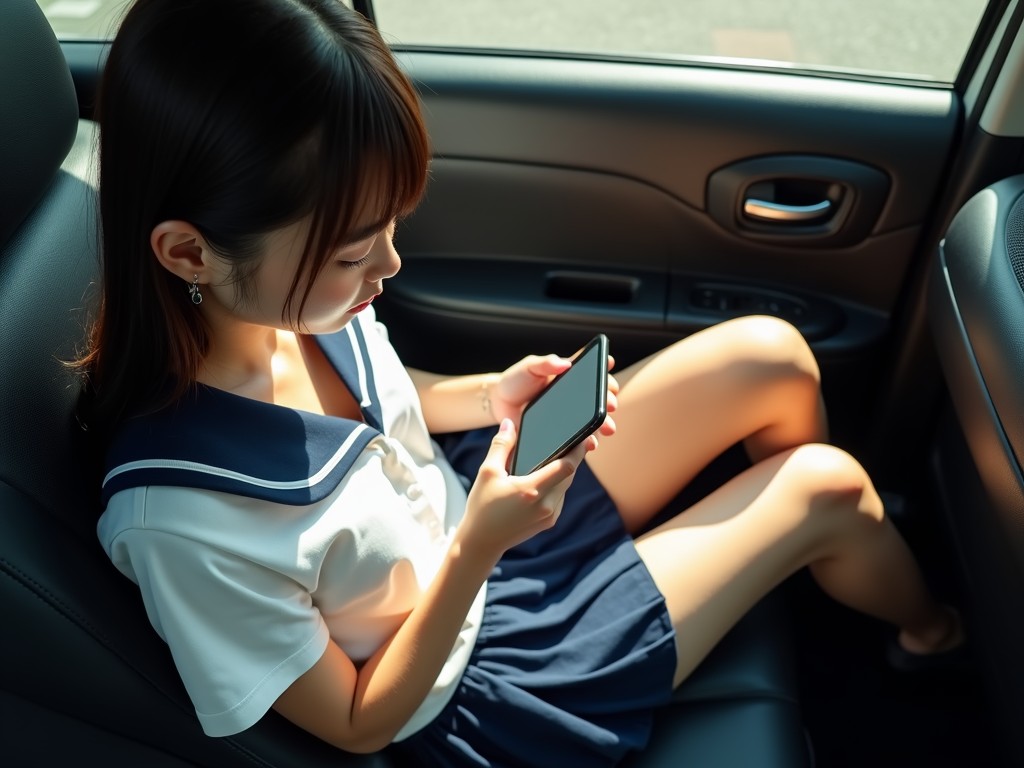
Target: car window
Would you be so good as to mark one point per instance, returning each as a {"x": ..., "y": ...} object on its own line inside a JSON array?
[
  {"x": 87, "y": 19},
  {"x": 83, "y": 19},
  {"x": 922, "y": 40}
]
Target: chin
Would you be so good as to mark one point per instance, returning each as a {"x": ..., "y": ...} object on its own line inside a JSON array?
[{"x": 326, "y": 327}]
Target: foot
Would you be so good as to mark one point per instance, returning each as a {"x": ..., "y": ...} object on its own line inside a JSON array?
[{"x": 944, "y": 634}]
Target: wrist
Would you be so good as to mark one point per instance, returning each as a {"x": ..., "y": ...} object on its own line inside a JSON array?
[
  {"x": 486, "y": 390},
  {"x": 472, "y": 559}
]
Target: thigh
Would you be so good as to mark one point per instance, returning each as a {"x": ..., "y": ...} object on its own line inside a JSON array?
[
  {"x": 682, "y": 407},
  {"x": 715, "y": 561}
]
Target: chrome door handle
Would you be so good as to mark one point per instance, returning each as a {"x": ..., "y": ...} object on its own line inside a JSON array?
[{"x": 766, "y": 210}]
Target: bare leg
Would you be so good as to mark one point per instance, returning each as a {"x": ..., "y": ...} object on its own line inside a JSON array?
[
  {"x": 812, "y": 505},
  {"x": 803, "y": 503},
  {"x": 752, "y": 380}
]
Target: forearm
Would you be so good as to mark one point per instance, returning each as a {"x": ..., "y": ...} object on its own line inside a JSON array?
[
  {"x": 394, "y": 681},
  {"x": 455, "y": 403},
  {"x": 362, "y": 709}
]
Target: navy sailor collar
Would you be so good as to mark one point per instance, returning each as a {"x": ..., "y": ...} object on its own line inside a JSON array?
[{"x": 215, "y": 440}]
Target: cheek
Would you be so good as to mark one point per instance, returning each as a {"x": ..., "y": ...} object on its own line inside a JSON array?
[
  {"x": 270, "y": 294},
  {"x": 336, "y": 290}
]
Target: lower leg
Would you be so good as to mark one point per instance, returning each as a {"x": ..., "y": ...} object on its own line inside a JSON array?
[
  {"x": 877, "y": 574},
  {"x": 810, "y": 506}
]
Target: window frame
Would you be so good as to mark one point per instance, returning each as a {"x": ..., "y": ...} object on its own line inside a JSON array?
[{"x": 987, "y": 28}]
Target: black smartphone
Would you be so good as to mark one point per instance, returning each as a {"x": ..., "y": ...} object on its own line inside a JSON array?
[{"x": 569, "y": 409}]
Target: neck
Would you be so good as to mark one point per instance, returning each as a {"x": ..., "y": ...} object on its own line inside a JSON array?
[
  {"x": 274, "y": 366},
  {"x": 241, "y": 356}
]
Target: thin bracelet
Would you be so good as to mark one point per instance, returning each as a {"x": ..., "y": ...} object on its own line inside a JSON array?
[{"x": 485, "y": 397}]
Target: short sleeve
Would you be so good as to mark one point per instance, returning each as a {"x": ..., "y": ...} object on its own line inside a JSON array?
[{"x": 240, "y": 633}]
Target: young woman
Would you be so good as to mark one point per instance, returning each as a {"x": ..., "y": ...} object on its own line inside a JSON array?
[{"x": 299, "y": 539}]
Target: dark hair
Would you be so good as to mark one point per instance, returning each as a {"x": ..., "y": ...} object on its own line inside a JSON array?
[{"x": 239, "y": 117}]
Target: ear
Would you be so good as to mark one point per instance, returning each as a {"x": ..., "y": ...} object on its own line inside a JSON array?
[{"x": 181, "y": 250}]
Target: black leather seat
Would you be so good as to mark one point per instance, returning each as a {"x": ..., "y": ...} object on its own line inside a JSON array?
[{"x": 84, "y": 677}]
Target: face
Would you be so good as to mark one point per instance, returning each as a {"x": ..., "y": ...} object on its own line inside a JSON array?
[{"x": 349, "y": 281}]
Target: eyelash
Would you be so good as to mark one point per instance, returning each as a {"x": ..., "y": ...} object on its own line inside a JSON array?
[
  {"x": 363, "y": 261},
  {"x": 355, "y": 264}
]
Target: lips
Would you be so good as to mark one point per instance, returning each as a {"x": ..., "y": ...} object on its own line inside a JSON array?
[{"x": 365, "y": 304}]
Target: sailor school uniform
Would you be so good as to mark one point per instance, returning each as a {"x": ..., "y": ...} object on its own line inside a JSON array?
[{"x": 257, "y": 532}]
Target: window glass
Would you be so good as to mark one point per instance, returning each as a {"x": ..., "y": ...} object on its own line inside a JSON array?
[
  {"x": 83, "y": 19},
  {"x": 87, "y": 19},
  {"x": 926, "y": 39}
]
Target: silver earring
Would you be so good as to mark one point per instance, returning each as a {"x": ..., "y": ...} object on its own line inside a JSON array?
[{"x": 193, "y": 290}]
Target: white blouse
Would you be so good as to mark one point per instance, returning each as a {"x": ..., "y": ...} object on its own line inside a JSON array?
[{"x": 256, "y": 532}]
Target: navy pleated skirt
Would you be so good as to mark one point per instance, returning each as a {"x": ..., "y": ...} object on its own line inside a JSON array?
[{"x": 575, "y": 651}]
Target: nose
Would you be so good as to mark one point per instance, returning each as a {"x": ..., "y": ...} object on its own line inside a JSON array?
[{"x": 386, "y": 262}]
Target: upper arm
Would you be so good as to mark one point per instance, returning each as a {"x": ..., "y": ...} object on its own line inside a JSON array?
[{"x": 240, "y": 633}]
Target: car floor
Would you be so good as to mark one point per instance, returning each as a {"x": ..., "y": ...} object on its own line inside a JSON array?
[{"x": 858, "y": 711}]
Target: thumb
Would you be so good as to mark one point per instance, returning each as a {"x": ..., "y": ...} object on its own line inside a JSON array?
[
  {"x": 549, "y": 365},
  {"x": 501, "y": 447}
]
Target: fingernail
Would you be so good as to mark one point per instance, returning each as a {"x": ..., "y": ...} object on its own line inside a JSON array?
[{"x": 505, "y": 426}]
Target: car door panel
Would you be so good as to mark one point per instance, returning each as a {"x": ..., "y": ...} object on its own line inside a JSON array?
[
  {"x": 571, "y": 196},
  {"x": 976, "y": 311},
  {"x": 675, "y": 125}
]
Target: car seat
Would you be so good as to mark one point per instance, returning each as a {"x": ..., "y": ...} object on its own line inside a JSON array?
[{"x": 84, "y": 677}]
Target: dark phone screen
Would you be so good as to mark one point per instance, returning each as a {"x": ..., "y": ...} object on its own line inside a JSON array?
[{"x": 571, "y": 408}]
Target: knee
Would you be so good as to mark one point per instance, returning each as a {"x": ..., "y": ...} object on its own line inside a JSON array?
[
  {"x": 839, "y": 494},
  {"x": 778, "y": 351}
]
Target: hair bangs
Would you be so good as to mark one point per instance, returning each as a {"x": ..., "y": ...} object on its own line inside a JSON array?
[
  {"x": 382, "y": 174},
  {"x": 370, "y": 159}
]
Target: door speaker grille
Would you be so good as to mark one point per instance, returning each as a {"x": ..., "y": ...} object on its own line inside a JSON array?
[{"x": 1015, "y": 239}]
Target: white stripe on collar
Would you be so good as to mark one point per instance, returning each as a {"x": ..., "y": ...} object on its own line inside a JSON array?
[
  {"x": 209, "y": 469},
  {"x": 360, "y": 355}
]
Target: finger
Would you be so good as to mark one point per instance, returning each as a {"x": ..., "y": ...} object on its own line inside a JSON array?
[
  {"x": 579, "y": 453},
  {"x": 611, "y": 362},
  {"x": 608, "y": 427},
  {"x": 612, "y": 401},
  {"x": 613, "y": 384},
  {"x": 496, "y": 460},
  {"x": 545, "y": 478},
  {"x": 569, "y": 464},
  {"x": 562, "y": 469},
  {"x": 548, "y": 365}
]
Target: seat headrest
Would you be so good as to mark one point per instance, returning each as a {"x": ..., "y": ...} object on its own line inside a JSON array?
[{"x": 38, "y": 110}]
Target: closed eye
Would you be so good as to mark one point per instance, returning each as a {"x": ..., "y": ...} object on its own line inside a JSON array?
[
  {"x": 367, "y": 242},
  {"x": 355, "y": 264},
  {"x": 362, "y": 248}
]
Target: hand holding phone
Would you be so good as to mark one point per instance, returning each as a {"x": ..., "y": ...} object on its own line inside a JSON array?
[{"x": 567, "y": 411}]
